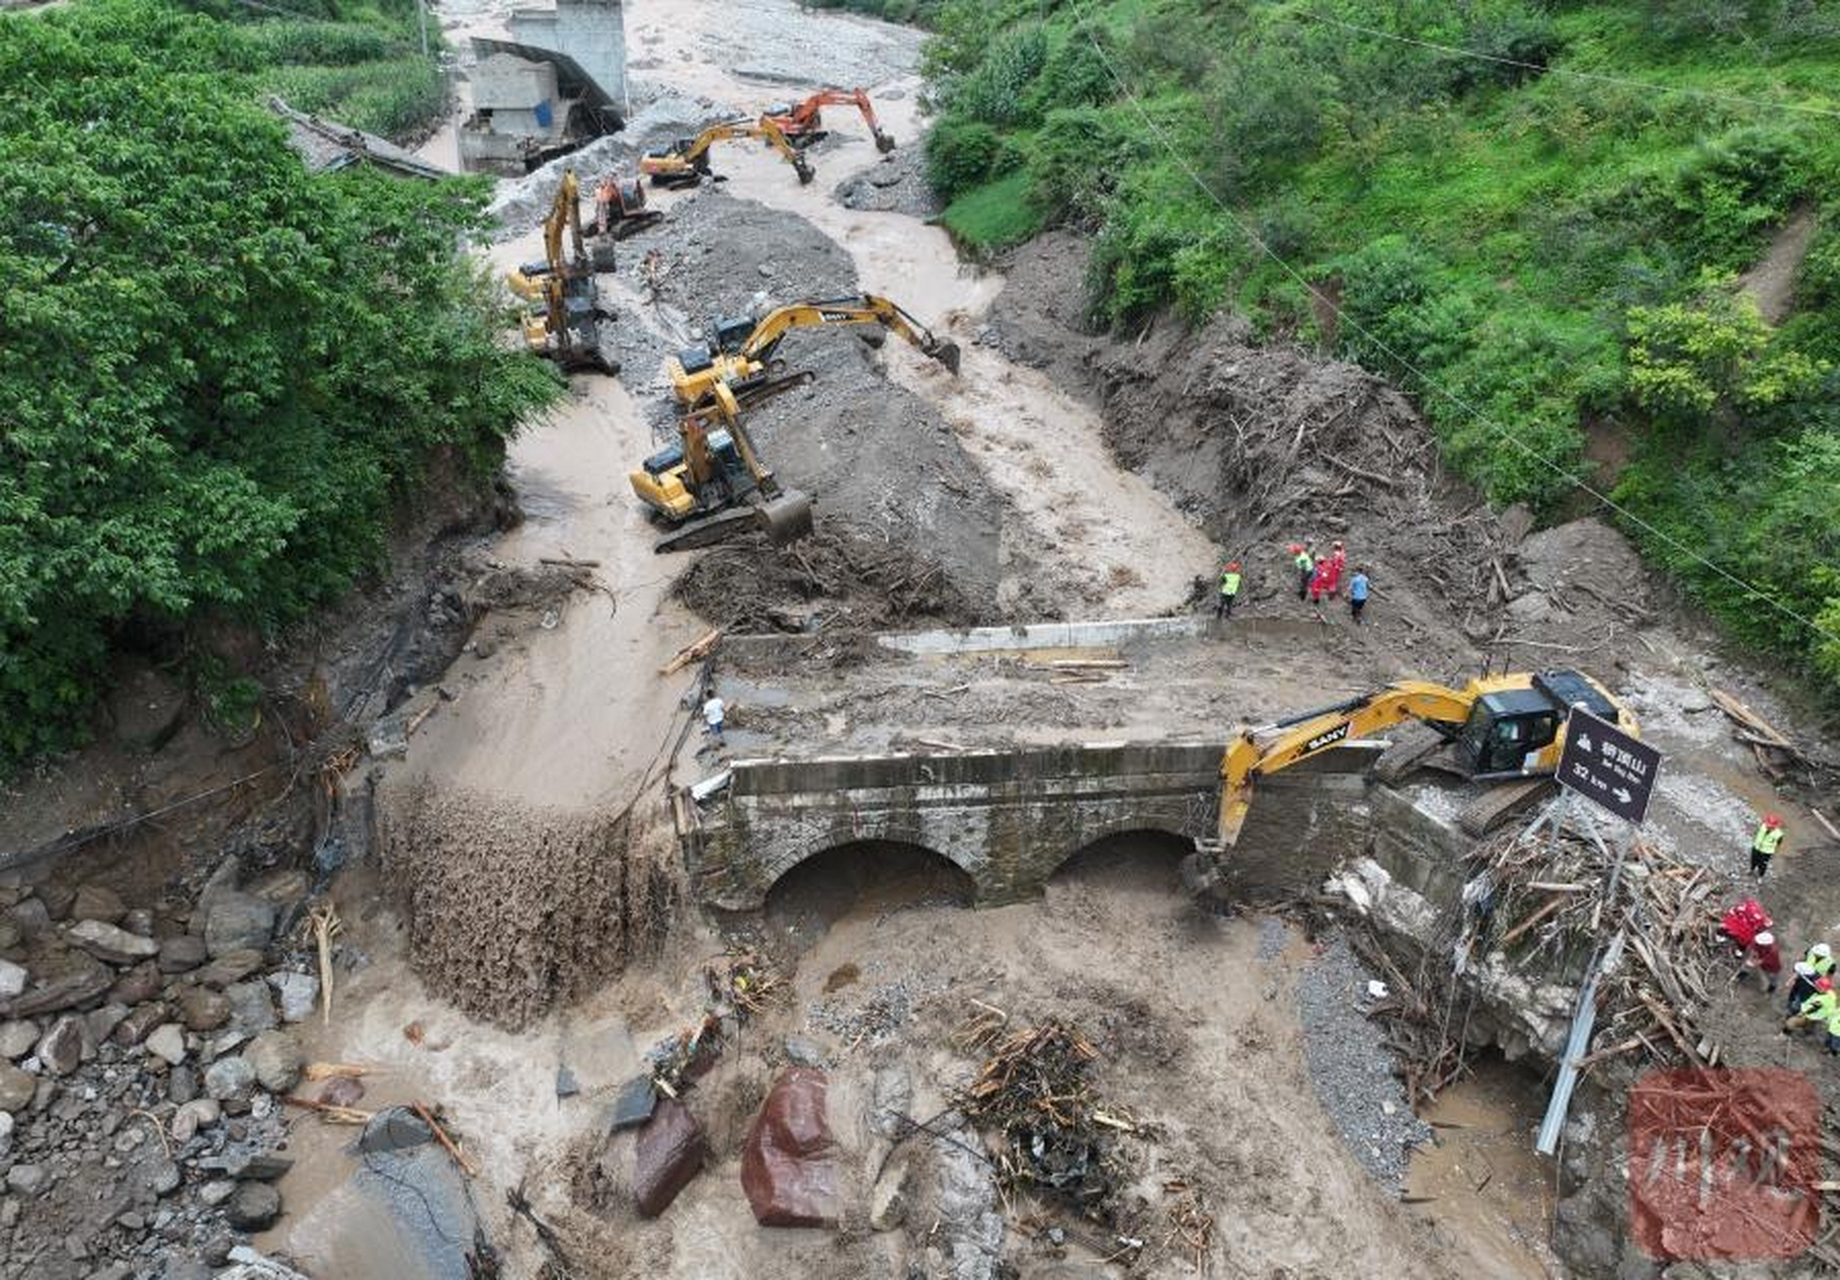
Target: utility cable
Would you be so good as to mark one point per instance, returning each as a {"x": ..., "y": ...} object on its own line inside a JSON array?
[
  {"x": 1623, "y": 82},
  {"x": 1181, "y": 159}
]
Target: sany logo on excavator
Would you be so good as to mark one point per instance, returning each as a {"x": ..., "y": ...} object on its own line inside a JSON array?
[{"x": 1322, "y": 740}]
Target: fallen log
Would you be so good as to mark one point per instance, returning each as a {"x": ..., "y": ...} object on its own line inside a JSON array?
[{"x": 695, "y": 651}]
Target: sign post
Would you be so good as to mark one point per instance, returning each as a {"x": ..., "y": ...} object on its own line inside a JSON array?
[{"x": 1615, "y": 772}]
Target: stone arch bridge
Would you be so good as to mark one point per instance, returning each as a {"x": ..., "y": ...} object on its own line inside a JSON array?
[{"x": 1009, "y": 818}]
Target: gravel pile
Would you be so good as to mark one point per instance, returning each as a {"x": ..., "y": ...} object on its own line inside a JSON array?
[
  {"x": 883, "y": 1011},
  {"x": 894, "y": 184},
  {"x": 1351, "y": 1072}
]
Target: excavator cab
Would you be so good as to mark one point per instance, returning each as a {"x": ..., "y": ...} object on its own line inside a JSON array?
[
  {"x": 732, "y": 334},
  {"x": 1506, "y": 732}
]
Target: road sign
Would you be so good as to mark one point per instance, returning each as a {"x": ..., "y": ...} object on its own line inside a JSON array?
[{"x": 1608, "y": 767}]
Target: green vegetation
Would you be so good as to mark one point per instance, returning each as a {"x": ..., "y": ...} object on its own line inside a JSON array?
[
  {"x": 917, "y": 12},
  {"x": 355, "y": 61},
  {"x": 218, "y": 374},
  {"x": 1525, "y": 252}
]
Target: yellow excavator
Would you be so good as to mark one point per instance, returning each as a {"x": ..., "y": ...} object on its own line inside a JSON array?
[
  {"x": 565, "y": 327},
  {"x": 686, "y": 162},
  {"x": 1506, "y": 730},
  {"x": 711, "y": 484},
  {"x": 740, "y": 357}
]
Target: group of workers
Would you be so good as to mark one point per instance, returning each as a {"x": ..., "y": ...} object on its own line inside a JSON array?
[
  {"x": 1318, "y": 578},
  {"x": 1812, "y": 1001}
]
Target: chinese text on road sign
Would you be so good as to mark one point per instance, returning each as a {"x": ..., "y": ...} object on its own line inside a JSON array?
[{"x": 1608, "y": 767}]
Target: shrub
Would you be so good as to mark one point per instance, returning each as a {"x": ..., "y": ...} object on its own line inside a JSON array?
[
  {"x": 1075, "y": 159},
  {"x": 960, "y": 155},
  {"x": 997, "y": 91},
  {"x": 1694, "y": 361}
]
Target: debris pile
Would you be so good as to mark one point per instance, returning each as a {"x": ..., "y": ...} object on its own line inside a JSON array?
[
  {"x": 1553, "y": 897},
  {"x": 1055, "y": 1133}
]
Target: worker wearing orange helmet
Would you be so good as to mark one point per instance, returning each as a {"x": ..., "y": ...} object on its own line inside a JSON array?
[
  {"x": 1229, "y": 590},
  {"x": 1765, "y": 843}
]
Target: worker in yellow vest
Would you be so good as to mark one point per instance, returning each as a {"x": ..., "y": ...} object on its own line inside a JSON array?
[
  {"x": 1818, "y": 963},
  {"x": 1229, "y": 590},
  {"x": 1306, "y": 568},
  {"x": 1764, "y": 845},
  {"x": 1818, "y": 1008}
]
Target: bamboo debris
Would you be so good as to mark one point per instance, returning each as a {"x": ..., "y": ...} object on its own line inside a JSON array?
[
  {"x": 1654, "y": 1001},
  {"x": 695, "y": 651},
  {"x": 1758, "y": 734}
]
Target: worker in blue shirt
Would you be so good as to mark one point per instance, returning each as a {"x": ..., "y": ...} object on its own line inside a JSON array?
[{"x": 1357, "y": 594}]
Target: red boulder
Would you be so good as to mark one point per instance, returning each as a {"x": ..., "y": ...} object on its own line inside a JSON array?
[
  {"x": 789, "y": 1165},
  {"x": 668, "y": 1153}
]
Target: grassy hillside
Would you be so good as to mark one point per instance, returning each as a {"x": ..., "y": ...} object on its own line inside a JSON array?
[
  {"x": 1536, "y": 243},
  {"x": 355, "y": 61}
]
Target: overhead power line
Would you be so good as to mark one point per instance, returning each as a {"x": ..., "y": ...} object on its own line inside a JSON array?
[{"x": 1083, "y": 18}]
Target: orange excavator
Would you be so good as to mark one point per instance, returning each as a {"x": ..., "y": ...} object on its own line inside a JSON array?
[
  {"x": 620, "y": 209},
  {"x": 803, "y": 122}
]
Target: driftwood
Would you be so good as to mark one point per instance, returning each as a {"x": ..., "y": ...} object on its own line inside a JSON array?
[
  {"x": 695, "y": 651},
  {"x": 465, "y": 1161}
]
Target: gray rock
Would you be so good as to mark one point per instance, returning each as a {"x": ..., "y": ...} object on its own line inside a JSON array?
[
  {"x": 13, "y": 978},
  {"x": 26, "y": 1179},
  {"x": 6, "y": 1134},
  {"x": 255, "y": 1206},
  {"x": 297, "y": 993},
  {"x": 231, "y": 967},
  {"x": 803, "y": 1052},
  {"x": 892, "y": 1099},
  {"x": 237, "y": 922},
  {"x": 251, "y": 1011},
  {"x": 275, "y": 1055},
  {"x": 888, "y": 1199},
  {"x": 187, "y": 1268},
  {"x": 199, "y": 1113},
  {"x": 634, "y": 1103},
  {"x": 16, "y": 1088},
  {"x": 138, "y": 921},
  {"x": 164, "y": 1178},
  {"x": 111, "y": 944},
  {"x": 97, "y": 902},
  {"x": 17, "y": 1038},
  {"x": 181, "y": 954},
  {"x": 242, "y": 1165},
  {"x": 31, "y": 917},
  {"x": 216, "y": 1192},
  {"x": 168, "y": 1042},
  {"x": 394, "y": 1129},
  {"x": 182, "y": 1085},
  {"x": 229, "y": 1077},
  {"x": 100, "y": 1024},
  {"x": 57, "y": 899},
  {"x": 133, "y": 1029},
  {"x": 206, "y": 1010},
  {"x": 137, "y": 986},
  {"x": 10, "y": 933},
  {"x": 61, "y": 1048}
]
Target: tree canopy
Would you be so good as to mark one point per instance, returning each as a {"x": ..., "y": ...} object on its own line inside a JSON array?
[{"x": 217, "y": 371}]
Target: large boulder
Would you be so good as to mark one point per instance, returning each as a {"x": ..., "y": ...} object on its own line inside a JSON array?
[
  {"x": 84, "y": 981},
  {"x": 17, "y": 1038},
  {"x": 109, "y": 943},
  {"x": 669, "y": 1152},
  {"x": 137, "y": 986},
  {"x": 181, "y": 953},
  {"x": 204, "y": 1009},
  {"x": 12, "y": 979},
  {"x": 789, "y": 1163},
  {"x": 237, "y": 922}
]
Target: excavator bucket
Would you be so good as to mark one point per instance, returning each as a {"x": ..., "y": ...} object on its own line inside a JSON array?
[
  {"x": 947, "y": 353},
  {"x": 786, "y": 518},
  {"x": 884, "y": 142},
  {"x": 803, "y": 168}
]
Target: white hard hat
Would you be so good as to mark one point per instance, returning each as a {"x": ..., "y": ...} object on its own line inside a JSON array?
[
  {"x": 1821, "y": 949},
  {"x": 1765, "y": 938}
]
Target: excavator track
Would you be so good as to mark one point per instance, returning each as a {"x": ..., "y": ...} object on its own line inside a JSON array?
[
  {"x": 784, "y": 519},
  {"x": 1487, "y": 811}
]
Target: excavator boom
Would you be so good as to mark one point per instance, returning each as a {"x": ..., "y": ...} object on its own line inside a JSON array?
[
  {"x": 1269, "y": 748},
  {"x": 687, "y": 163},
  {"x": 804, "y": 122}
]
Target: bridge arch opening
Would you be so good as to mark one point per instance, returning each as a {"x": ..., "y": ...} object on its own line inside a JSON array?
[
  {"x": 1141, "y": 861},
  {"x": 864, "y": 877}
]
